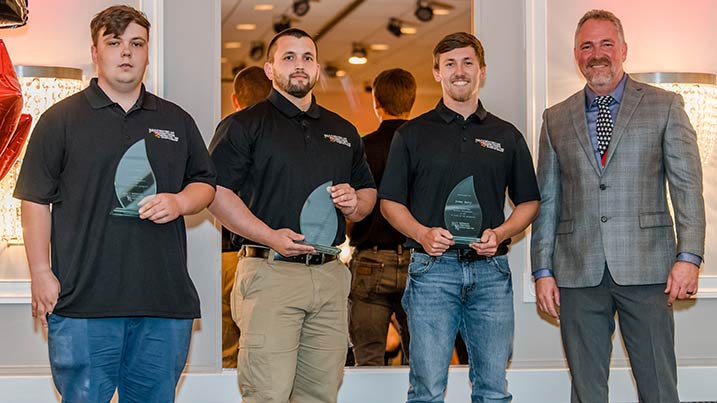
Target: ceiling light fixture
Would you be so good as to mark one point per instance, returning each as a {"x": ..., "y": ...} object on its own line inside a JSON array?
[
  {"x": 245, "y": 27},
  {"x": 301, "y": 7},
  {"x": 232, "y": 45},
  {"x": 331, "y": 70},
  {"x": 358, "y": 54},
  {"x": 408, "y": 30},
  {"x": 441, "y": 11},
  {"x": 424, "y": 11},
  {"x": 256, "y": 52},
  {"x": 263, "y": 7},
  {"x": 378, "y": 46},
  {"x": 394, "y": 26},
  {"x": 282, "y": 23}
]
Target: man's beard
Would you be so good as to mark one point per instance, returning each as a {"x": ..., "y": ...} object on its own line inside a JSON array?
[
  {"x": 598, "y": 78},
  {"x": 296, "y": 90}
]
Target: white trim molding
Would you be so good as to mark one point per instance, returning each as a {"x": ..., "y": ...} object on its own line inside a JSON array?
[
  {"x": 154, "y": 78},
  {"x": 15, "y": 292}
]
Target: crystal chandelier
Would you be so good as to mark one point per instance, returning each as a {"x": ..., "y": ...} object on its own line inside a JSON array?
[
  {"x": 42, "y": 87},
  {"x": 699, "y": 91}
]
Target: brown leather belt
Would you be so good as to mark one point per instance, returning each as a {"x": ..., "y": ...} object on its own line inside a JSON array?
[
  {"x": 265, "y": 253},
  {"x": 396, "y": 248},
  {"x": 467, "y": 254}
]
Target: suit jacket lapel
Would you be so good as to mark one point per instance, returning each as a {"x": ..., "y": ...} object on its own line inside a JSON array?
[
  {"x": 630, "y": 99},
  {"x": 580, "y": 123}
]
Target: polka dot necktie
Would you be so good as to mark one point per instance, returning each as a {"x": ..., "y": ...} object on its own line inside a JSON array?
[{"x": 604, "y": 124}]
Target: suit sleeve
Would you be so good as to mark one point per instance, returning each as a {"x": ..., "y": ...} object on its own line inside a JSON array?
[
  {"x": 543, "y": 235},
  {"x": 684, "y": 175}
]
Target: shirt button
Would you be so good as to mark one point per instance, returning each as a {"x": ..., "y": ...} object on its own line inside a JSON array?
[
  {"x": 603, "y": 219},
  {"x": 602, "y": 186}
]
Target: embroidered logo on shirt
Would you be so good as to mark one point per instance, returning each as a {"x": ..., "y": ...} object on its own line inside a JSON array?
[
  {"x": 163, "y": 134},
  {"x": 493, "y": 145},
  {"x": 338, "y": 139}
]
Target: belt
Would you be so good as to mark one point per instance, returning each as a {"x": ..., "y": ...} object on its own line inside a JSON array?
[
  {"x": 468, "y": 254},
  {"x": 396, "y": 248},
  {"x": 265, "y": 253}
]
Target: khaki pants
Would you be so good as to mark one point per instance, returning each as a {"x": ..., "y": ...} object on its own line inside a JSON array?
[{"x": 294, "y": 329}]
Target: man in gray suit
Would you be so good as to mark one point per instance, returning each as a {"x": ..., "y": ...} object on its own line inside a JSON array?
[{"x": 604, "y": 240}]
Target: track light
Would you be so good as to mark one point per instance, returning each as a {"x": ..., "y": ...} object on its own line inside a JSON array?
[
  {"x": 331, "y": 70},
  {"x": 424, "y": 11},
  {"x": 256, "y": 52},
  {"x": 358, "y": 54},
  {"x": 394, "y": 26},
  {"x": 301, "y": 7},
  {"x": 284, "y": 22}
]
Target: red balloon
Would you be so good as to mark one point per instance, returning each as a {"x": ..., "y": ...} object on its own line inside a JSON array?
[
  {"x": 10, "y": 104},
  {"x": 17, "y": 142}
]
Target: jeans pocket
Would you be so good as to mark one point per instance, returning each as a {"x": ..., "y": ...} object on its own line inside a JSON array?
[
  {"x": 420, "y": 264},
  {"x": 501, "y": 264},
  {"x": 366, "y": 277}
]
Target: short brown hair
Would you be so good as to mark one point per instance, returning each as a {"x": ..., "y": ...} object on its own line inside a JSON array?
[
  {"x": 115, "y": 19},
  {"x": 456, "y": 41},
  {"x": 601, "y": 15},
  {"x": 251, "y": 85},
  {"x": 296, "y": 33},
  {"x": 395, "y": 91}
]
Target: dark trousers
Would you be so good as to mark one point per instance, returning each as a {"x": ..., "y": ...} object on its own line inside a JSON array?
[
  {"x": 587, "y": 323},
  {"x": 378, "y": 283}
]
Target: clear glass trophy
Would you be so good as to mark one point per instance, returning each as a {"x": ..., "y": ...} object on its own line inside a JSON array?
[
  {"x": 462, "y": 213},
  {"x": 318, "y": 221},
  {"x": 134, "y": 180}
]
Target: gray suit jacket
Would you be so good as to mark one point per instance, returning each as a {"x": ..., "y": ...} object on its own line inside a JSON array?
[{"x": 620, "y": 215}]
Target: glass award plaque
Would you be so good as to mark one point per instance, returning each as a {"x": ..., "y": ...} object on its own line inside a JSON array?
[
  {"x": 462, "y": 213},
  {"x": 134, "y": 180},
  {"x": 318, "y": 221}
]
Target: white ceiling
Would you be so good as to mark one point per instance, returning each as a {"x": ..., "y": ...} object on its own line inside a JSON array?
[{"x": 365, "y": 24}]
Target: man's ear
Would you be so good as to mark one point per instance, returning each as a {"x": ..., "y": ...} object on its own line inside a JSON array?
[
  {"x": 269, "y": 71},
  {"x": 235, "y": 103}
]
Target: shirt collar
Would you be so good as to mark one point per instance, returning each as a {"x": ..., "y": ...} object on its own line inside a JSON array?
[
  {"x": 616, "y": 94},
  {"x": 289, "y": 109},
  {"x": 449, "y": 115},
  {"x": 98, "y": 99},
  {"x": 391, "y": 124}
]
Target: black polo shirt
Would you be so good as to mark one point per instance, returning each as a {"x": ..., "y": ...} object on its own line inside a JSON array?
[
  {"x": 274, "y": 155},
  {"x": 374, "y": 230},
  {"x": 114, "y": 266},
  {"x": 433, "y": 152}
]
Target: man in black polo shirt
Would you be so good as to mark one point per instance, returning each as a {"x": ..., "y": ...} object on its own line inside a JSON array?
[
  {"x": 452, "y": 286},
  {"x": 289, "y": 302},
  {"x": 379, "y": 264},
  {"x": 117, "y": 295}
]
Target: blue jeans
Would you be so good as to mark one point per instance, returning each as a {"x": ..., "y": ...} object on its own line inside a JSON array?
[
  {"x": 142, "y": 357},
  {"x": 443, "y": 295}
]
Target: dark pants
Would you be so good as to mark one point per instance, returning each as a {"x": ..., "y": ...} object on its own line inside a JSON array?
[
  {"x": 587, "y": 323},
  {"x": 379, "y": 279}
]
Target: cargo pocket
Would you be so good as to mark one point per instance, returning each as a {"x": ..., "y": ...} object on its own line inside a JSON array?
[{"x": 253, "y": 363}]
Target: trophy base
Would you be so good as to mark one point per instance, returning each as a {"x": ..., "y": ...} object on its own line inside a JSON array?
[
  {"x": 124, "y": 212},
  {"x": 466, "y": 240},
  {"x": 326, "y": 250}
]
